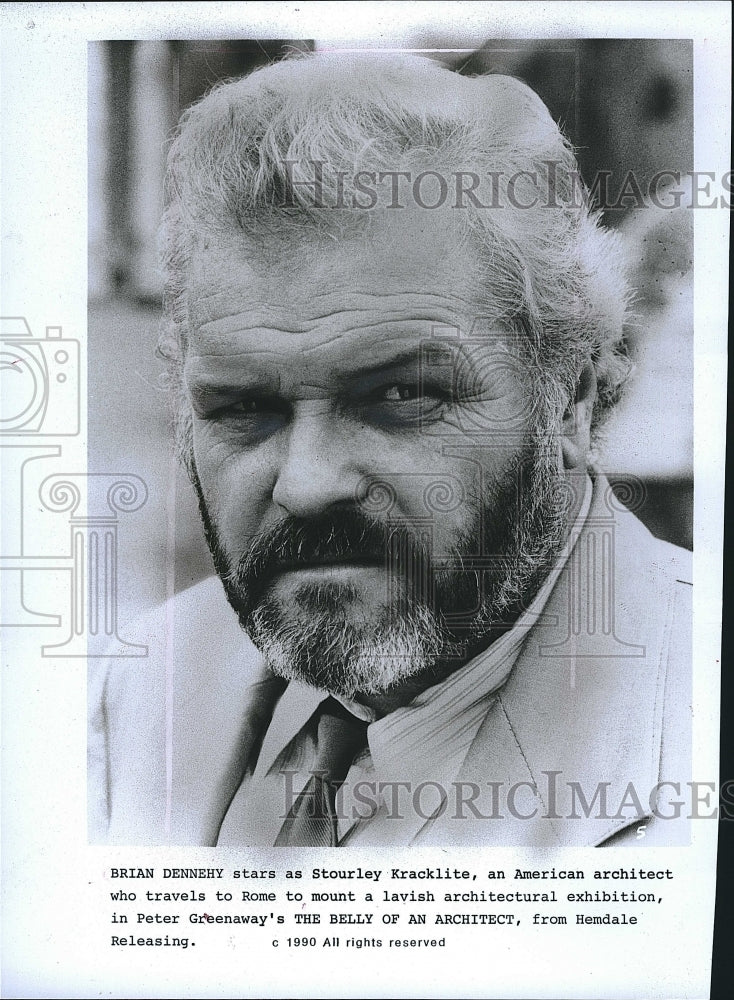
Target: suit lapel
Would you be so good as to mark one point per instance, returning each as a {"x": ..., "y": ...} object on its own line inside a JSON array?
[
  {"x": 212, "y": 758},
  {"x": 581, "y": 712},
  {"x": 197, "y": 709}
]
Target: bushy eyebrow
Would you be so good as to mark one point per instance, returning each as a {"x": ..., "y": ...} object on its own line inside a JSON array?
[
  {"x": 414, "y": 358},
  {"x": 267, "y": 380}
]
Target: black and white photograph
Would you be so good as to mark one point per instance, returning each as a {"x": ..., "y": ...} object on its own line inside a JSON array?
[
  {"x": 363, "y": 491},
  {"x": 398, "y": 322}
]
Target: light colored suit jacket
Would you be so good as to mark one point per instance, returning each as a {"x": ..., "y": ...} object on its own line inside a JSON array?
[{"x": 598, "y": 703}]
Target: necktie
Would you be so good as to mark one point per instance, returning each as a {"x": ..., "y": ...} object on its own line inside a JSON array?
[{"x": 312, "y": 820}]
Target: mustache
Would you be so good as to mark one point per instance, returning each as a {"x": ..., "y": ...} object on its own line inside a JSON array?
[{"x": 338, "y": 536}]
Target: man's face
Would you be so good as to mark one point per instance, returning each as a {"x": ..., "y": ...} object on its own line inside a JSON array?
[{"x": 365, "y": 453}]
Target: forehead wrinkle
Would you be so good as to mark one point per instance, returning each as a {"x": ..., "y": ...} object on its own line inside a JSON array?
[
  {"x": 361, "y": 299},
  {"x": 344, "y": 322},
  {"x": 385, "y": 356},
  {"x": 268, "y": 355},
  {"x": 227, "y": 355},
  {"x": 348, "y": 295},
  {"x": 268, "y": 292}
]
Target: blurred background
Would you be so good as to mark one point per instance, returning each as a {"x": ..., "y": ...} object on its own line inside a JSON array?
[{"x": 626, "y": 105}]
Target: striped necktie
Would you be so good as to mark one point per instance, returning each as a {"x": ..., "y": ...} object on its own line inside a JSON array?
[{"x": 312, "y": 820}]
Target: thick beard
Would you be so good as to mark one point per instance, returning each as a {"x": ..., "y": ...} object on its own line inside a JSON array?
[
  {"x": 325, "y": 649},
  {"x": 321, "y": 640}
]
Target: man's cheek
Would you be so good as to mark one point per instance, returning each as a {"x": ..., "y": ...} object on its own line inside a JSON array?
[
  {"x": 234, "y": 488},
  {"x": 216, "y": 454}
]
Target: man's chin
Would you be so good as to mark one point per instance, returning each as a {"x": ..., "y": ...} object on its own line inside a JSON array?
[{"x": 343, "y": 650}]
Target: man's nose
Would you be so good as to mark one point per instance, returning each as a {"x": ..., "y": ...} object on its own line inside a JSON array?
[{"x": 320, "y": 466}]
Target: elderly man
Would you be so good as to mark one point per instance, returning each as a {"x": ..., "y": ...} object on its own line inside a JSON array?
[{"x": 394, "y": 330}]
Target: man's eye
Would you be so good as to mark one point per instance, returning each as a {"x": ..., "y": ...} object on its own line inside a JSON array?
[
  {"x": 404, "y": 404},
  {"x": 253, "y": 418},
  {"x": 246, "y": 407},
  {"x": 402, "y": 392},
  {"x": 254, "y": 406}
]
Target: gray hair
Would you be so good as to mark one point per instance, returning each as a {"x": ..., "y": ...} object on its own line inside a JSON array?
[{"x": 552, "y": 274}]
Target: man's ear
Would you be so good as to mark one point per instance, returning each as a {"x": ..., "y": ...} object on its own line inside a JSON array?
[{"x": 576, "y": 424}]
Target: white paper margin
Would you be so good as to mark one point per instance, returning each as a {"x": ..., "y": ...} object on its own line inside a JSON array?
[{"x": 56, "y": 907}]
